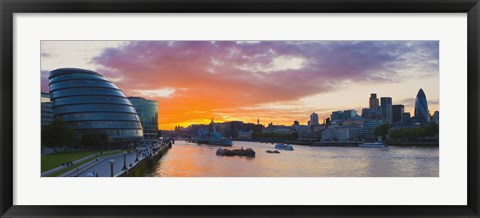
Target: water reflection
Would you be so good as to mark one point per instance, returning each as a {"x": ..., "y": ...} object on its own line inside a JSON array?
[{"x": 192, "y": 160}]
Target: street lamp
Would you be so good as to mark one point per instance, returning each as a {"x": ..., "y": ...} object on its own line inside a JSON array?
[
  {"x": 112, "y": 161},
  {"x": 136, "y": 157},
  {"x": 124, "y": 160}
]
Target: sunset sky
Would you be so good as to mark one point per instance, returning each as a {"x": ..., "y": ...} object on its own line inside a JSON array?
[{"x": 276, "y": 81}]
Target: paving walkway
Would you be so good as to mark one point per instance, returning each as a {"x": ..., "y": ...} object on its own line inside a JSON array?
[
  {"x": 101, "y": 167},
  {"x": 56, "y": 169}
]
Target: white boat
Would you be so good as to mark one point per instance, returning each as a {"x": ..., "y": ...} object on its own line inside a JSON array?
[
  {"x": 282, "y": 146},
  {"x": 372, "y": 145}
]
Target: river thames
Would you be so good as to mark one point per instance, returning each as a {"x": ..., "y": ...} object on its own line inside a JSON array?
[{"x": 192, "y": 160}]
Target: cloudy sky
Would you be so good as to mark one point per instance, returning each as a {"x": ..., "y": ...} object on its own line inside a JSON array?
[{"x": 276, "y": 81}]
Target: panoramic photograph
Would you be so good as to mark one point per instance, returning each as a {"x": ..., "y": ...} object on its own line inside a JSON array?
[{"x": 239, "y": 108}]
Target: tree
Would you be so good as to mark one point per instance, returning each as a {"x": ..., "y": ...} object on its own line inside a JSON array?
[
  {"x": 57, "y": 135},
  {"x": 423, "y": 132},
  {"x": 95, "y": 140},
  {"x": 382, "y": 130}
]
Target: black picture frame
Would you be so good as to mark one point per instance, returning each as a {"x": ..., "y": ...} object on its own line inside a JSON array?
[{"x": 9, "y": 7}]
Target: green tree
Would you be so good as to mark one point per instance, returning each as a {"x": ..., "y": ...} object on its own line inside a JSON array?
[
  {"x": 382, "y": 130},
  {"x": 96, "y": 140},
  {"x": 416, "y": 133},
  {"x": 57, "y": 135}
]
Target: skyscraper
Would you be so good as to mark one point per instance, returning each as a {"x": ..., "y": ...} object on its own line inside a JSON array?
[
  {"x": 397, "y": 113},
  {"x": 313, "y": 120},
  {"x": 373, "y": 102},
  {"x": 406, "y": 119},
  {"x": 421, "y": 107},
  {"x": 386, "y": 108},
  {"x": 436, "y": 117}
]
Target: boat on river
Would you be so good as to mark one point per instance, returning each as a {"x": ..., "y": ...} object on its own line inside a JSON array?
[
  {"x": 372, "y": 145},
  {"x": 211, "y": 137},
  {"x": 282, "y": 146},
  {"x": 236, "y": 152},
  {"x": 273, "y": 152}
]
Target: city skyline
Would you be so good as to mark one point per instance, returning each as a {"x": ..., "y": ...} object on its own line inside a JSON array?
[{"x": 194, "y": 82}]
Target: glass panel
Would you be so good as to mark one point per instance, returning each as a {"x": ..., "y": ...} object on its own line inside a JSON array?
[
  {"x": 93, "y": 108},
  {"x": 85, "y": 91}
]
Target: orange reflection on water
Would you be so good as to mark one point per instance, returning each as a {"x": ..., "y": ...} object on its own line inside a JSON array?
[{"x": 191, "y": 160}]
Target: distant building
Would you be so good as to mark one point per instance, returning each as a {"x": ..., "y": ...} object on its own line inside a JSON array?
[
  {"x": 436, "y": 117},
  {"x": 421, "y": 107},
  {"x": 373, "y": 102},
  {"x": 386, "y": 108},
  {"x": 296, "y": 123},
  {"x": 363, "y": 128},
  {"x": 310, "y": 136},
  {"x": 313, "y": 120},
  {"x": 397, "y": 113},
  {"x": 147, "y": 110},
  {"x": 327, "y": 121},
  {"x": 245, "y": 134},
  {"x": 353, "y": 129},
  {"x": 335, "y": 133},
  {"x": 373, "y": 114},
  {"x": 47, "y": 112},
  {"x": 340, "y": 116},
  {"x": 406, "y": 119},
  {"x": 279, "y": 130}
]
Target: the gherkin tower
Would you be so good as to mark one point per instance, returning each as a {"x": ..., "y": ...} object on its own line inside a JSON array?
[{"x": 421, "y": 107}]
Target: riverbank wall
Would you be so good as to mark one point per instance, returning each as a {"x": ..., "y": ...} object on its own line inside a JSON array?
[
  {"x": 146, "y": 164},
  {"x": 335, "y": 144},
  {"x": 418, "y": 144}
]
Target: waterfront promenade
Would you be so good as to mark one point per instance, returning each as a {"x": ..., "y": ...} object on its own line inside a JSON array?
[{"x": 101, "y": 166}]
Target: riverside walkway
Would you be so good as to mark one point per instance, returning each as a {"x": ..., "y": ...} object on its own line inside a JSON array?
[
  {"x": 59, "y": 168},
  {"x": 101, "y": 167}
]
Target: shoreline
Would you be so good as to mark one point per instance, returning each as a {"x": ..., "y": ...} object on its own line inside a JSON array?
[{"x": 343, "y": 144}]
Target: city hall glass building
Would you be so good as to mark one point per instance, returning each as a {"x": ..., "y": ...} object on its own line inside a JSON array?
[
  {"x": 147, "y": 110},
  {"x": 89, "y": 103}
]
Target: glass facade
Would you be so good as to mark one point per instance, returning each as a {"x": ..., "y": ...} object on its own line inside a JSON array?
[
  {"x": 148, "y": 112},
  {"x": 47, "y": 112},
  {"x": 397, "y": 113},
  {"x": 421, "y": 107},
  {"x": 386, "y": 108},
  {"x": 88, "y": 102}
]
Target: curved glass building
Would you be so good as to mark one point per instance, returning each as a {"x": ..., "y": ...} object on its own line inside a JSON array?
[
  {"x": 421, "y": 107},
  {"x": 89, "y": 103}
]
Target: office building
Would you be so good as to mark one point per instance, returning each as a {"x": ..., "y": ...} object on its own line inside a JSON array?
[
  {"x": 422, "y": 114},
  {"x": 406, "y": 119},
  {"x": 436, "y": 117},
  {"x": 313, "y": 120},
  {"x": 386, "y": 108},
  {"x": 373, "y": 102},
  {"x": 147, "y": 110},
  {"x": 340, "y": 116},
  {"x": 46, "y": 106},
  {"x": 397, "y": 113},
  {"x": 89, "y": 103}
]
